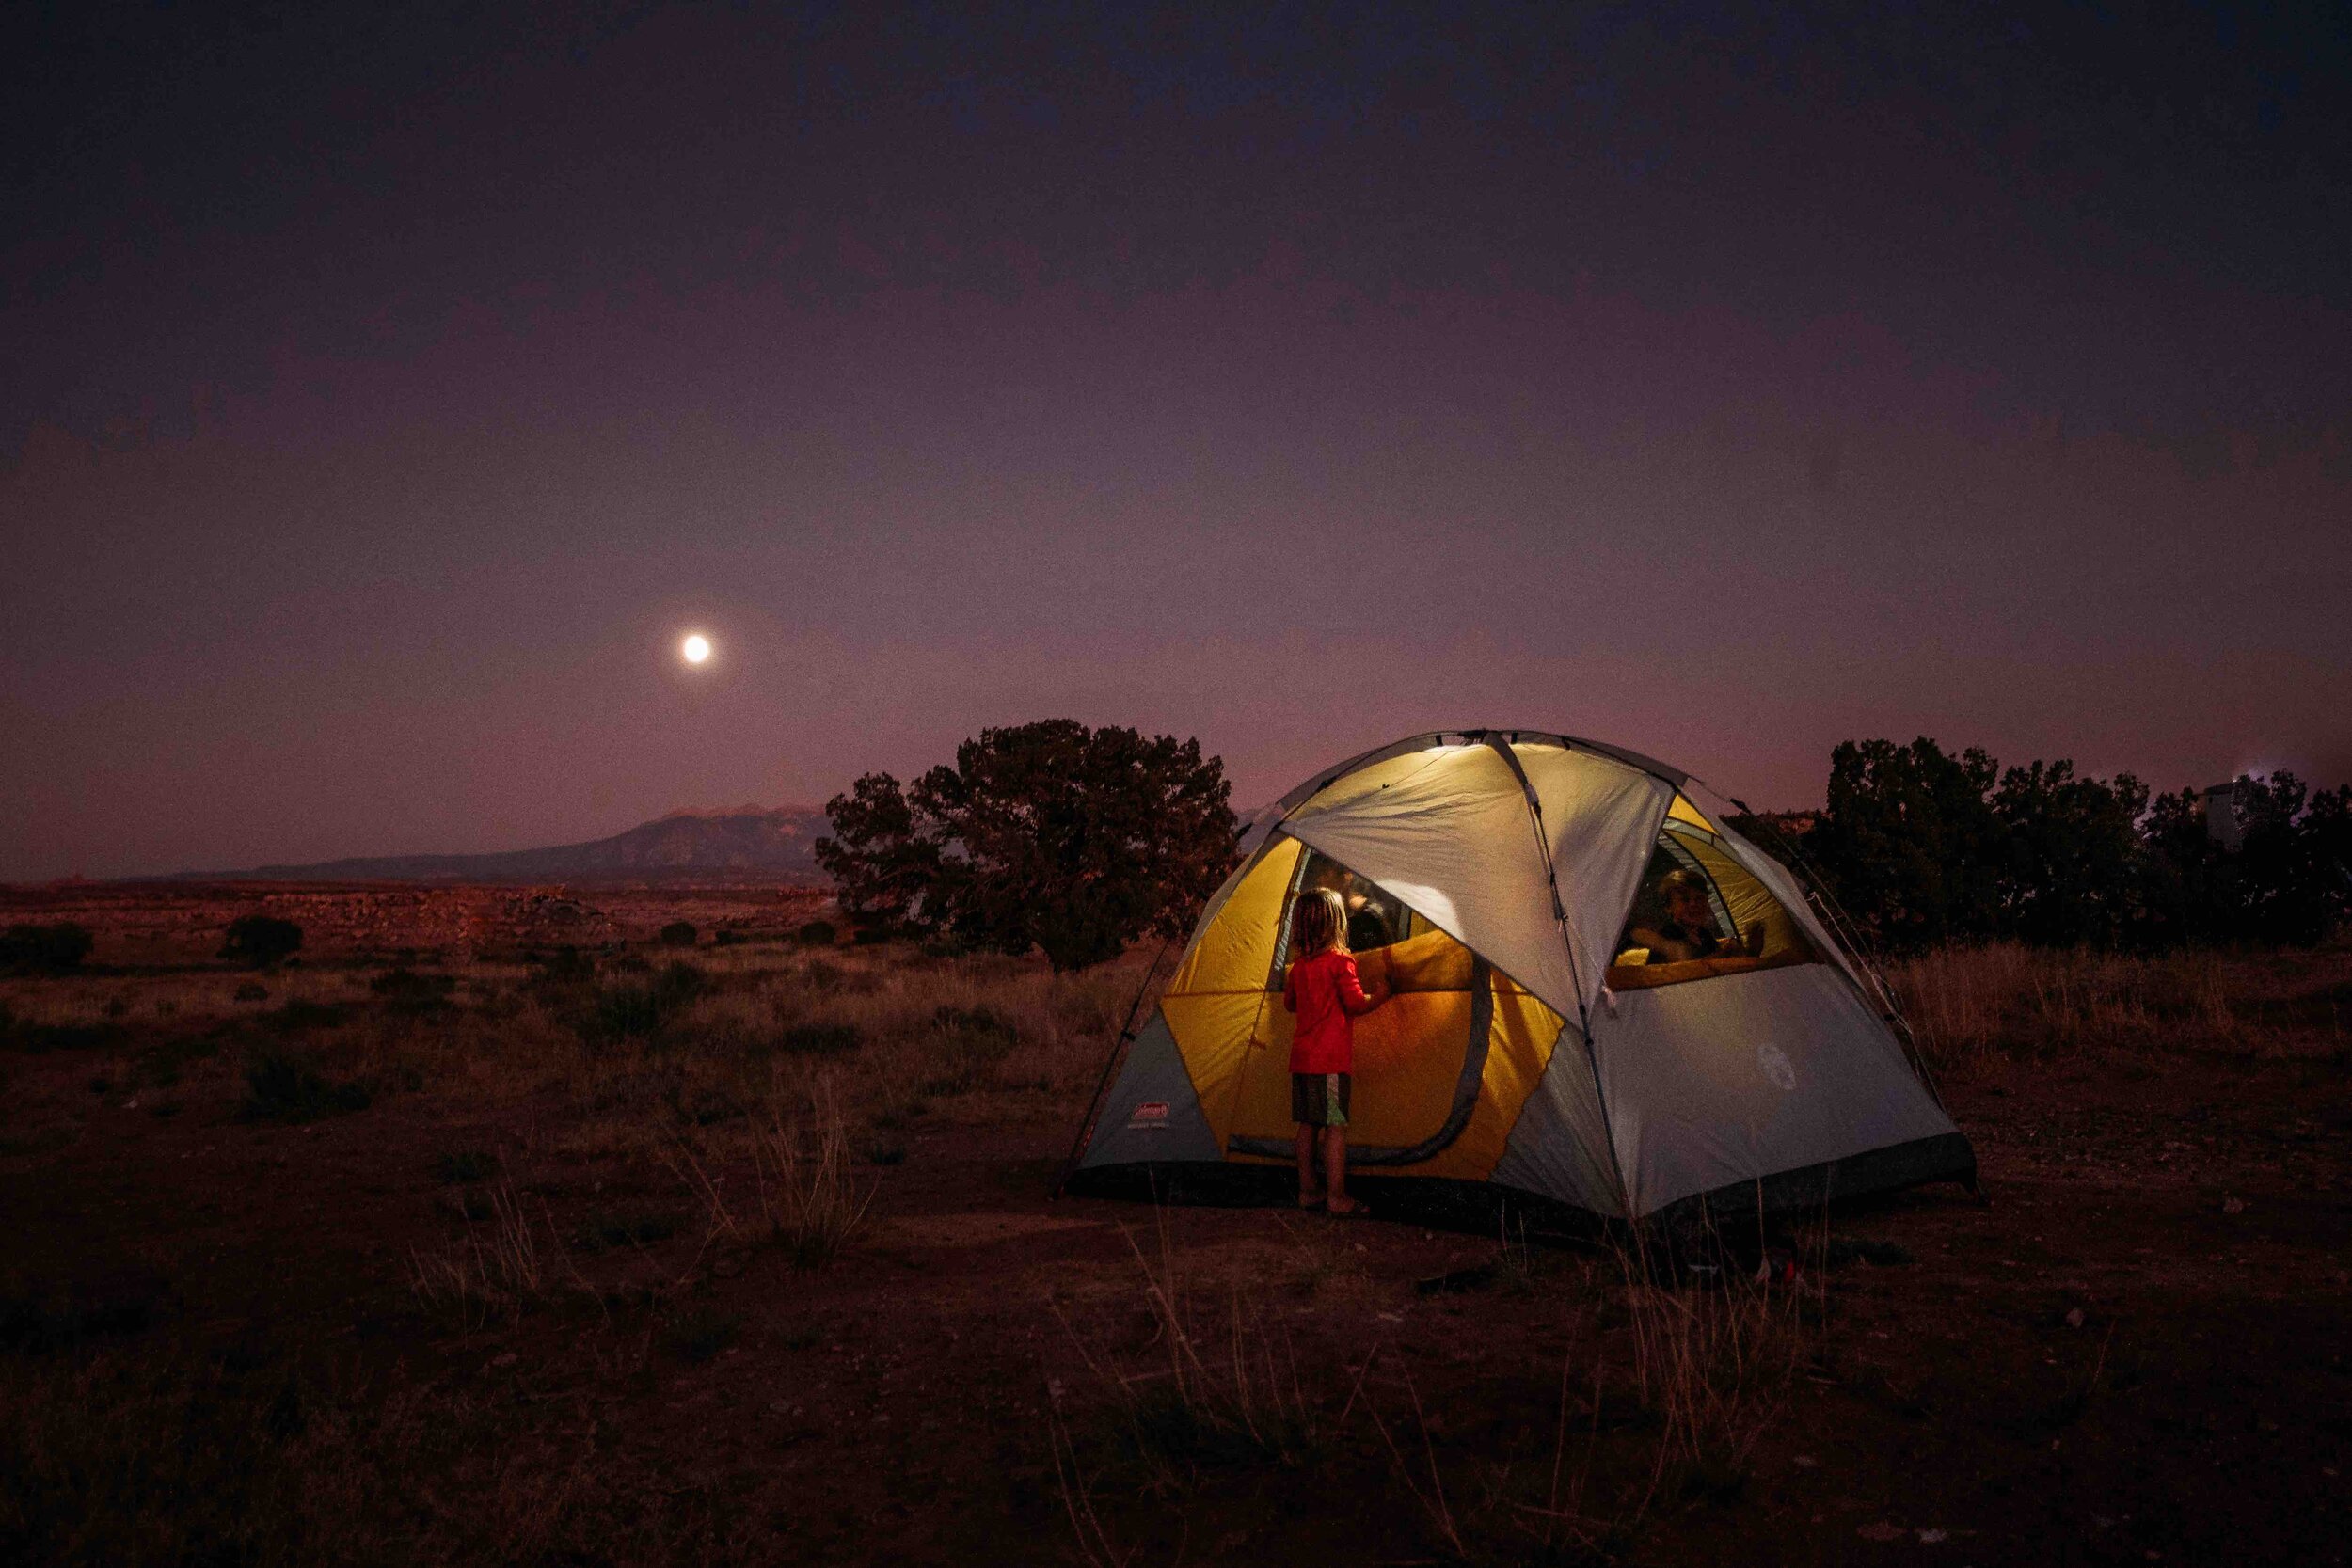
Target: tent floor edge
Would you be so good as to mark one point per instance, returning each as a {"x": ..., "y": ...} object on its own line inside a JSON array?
[
  {"x": 1921, "y": 1162},
  {"x": 1484, "y": 1208}
]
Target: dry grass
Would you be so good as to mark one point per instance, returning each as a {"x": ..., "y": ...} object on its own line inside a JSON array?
[
  {"x": 498, "y": 1267},
  {"x": 1973, "y": 1006},
  {"x": 808, "y": 1195},
  {"x": 1211, "y": 1387},
  {"x": 1715, "y": 1366}
]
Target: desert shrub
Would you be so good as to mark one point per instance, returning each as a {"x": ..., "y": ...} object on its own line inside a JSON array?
[
  {"x": 818, "y": 933},
  {"x": 282, "y": 1087},
  {"x": 465, "y": 1165},
  {"x": 679, "y": 933},
  {"x": 300, "y": 1014},
  {"x": 261, "y": 940},
  {"x": 965, "y": 1046},
  {"x": 251, "y": 990},
  {"x": 807, "y": 1194},
  {"x": 18, "y": 1034},
  {"x": 818, "y": 1039},
  {"x": 566, "y": 966},
  {"x": 51, "y": 949},
  {"x": 620, "y": 1012},
  {"x": 820, "y": 976},
  {"x": 702, "y": 1107},
  {"x": 638, "y": 1010},
  {"x": 404, "y": 983},
  {"x": 159, "y": 1065},
  {"x": 406, "y": 992},
  {"x": 729, "y": 939}
]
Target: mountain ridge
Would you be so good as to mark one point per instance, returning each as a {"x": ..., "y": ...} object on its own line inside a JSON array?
[{"x": 739, "y": 843}]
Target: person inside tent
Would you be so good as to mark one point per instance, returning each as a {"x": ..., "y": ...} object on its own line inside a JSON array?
[
  {"x": 1369, "y": 925},
  {"x": 1687, "y": 930}
]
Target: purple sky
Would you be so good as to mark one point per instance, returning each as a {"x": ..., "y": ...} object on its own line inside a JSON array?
[{"x": 387, "y": 395}]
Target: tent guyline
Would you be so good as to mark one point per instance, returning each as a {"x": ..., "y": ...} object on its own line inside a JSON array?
[{"x": 1520, "y": 891}]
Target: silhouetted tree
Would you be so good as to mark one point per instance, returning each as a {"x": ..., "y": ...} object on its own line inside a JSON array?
[
  {"x": 1910, "y": 842},
  {"x": 1923, "y": 848},
  {"x": 51, "y": 949},
  {"x": 1050, "y": 835},
  {"x": 261, "y": 940},
  {"x": 2072, "y": 867}
]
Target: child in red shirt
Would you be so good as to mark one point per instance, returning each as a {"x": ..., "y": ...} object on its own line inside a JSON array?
[{"x": 1321, "y": 988}]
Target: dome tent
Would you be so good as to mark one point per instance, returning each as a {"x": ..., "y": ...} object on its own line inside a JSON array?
[{"x": 1495, "y": 880}]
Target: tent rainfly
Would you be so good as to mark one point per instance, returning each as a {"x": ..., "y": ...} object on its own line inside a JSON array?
[{"x": 1499, "y": 882}]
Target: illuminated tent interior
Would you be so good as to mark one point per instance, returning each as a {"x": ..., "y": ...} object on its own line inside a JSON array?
[{"x": 1543, "y": 1038}]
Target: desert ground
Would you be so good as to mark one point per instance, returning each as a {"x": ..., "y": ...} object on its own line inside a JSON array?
[{"x": 495, "y": 1230}]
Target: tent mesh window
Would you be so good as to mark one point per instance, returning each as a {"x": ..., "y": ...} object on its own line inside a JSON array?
[
  {"x": 1375, "y": 918},
  {"x": 1701, "y": 915}
]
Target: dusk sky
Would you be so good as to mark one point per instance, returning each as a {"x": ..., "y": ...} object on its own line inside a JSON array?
[{"x": 387, "y": 392}]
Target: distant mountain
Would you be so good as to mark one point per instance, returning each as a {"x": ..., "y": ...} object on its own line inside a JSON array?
[{"x": 737, "y": 844}]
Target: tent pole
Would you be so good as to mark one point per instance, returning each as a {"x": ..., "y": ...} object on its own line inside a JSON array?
[{"x": 1560, "y": 914}]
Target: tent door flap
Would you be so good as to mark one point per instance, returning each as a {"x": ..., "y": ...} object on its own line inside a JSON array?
[{"x": 1466, "y": 1088}]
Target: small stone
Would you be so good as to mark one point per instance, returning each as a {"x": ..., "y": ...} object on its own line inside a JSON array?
[
  {"x": 2075, "y": 1318},
  {"x": 1805, "y": 1462},
  {"x": 1934, "y": 1537},
  {"x": 1881, "y": 1532},
  {"x": 2233, "y": 1206}
]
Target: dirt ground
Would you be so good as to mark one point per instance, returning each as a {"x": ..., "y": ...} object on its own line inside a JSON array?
[{"x": 216, "y": 1343}]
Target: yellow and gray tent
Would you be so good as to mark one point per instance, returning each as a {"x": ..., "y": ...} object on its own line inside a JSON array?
[{"x": 1499, "y": 882}]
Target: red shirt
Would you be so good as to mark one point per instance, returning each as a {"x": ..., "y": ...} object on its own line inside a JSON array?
[{"x": 1326, "y": 996}]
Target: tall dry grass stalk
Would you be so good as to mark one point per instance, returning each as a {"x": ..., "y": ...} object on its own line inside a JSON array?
[
  {"x": 807, "y": 1192},
  {"x": 1214, "y": 1389},
  {"x": 1714, "y": 1365},
  {"x": 497, "y": 1267}
]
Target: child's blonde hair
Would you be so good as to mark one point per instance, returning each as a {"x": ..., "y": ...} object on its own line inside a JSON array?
[{"x": 1321, "y": 923}]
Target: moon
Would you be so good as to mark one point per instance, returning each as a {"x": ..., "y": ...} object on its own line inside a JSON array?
[{"x": 695, "y": 649}]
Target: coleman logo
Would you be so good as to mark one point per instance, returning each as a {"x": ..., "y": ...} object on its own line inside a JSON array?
[{"x": 1151, "y": 1114}]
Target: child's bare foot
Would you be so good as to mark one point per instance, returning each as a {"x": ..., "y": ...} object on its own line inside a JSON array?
[
  {"x": 1311, "y": 1200},
  {"x": 1345, "y": 1206}
]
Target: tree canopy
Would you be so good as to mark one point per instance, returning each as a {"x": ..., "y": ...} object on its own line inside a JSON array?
[
  {"x": 1049, "y": 835},
  {"x": 1923, "y": 846}
]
